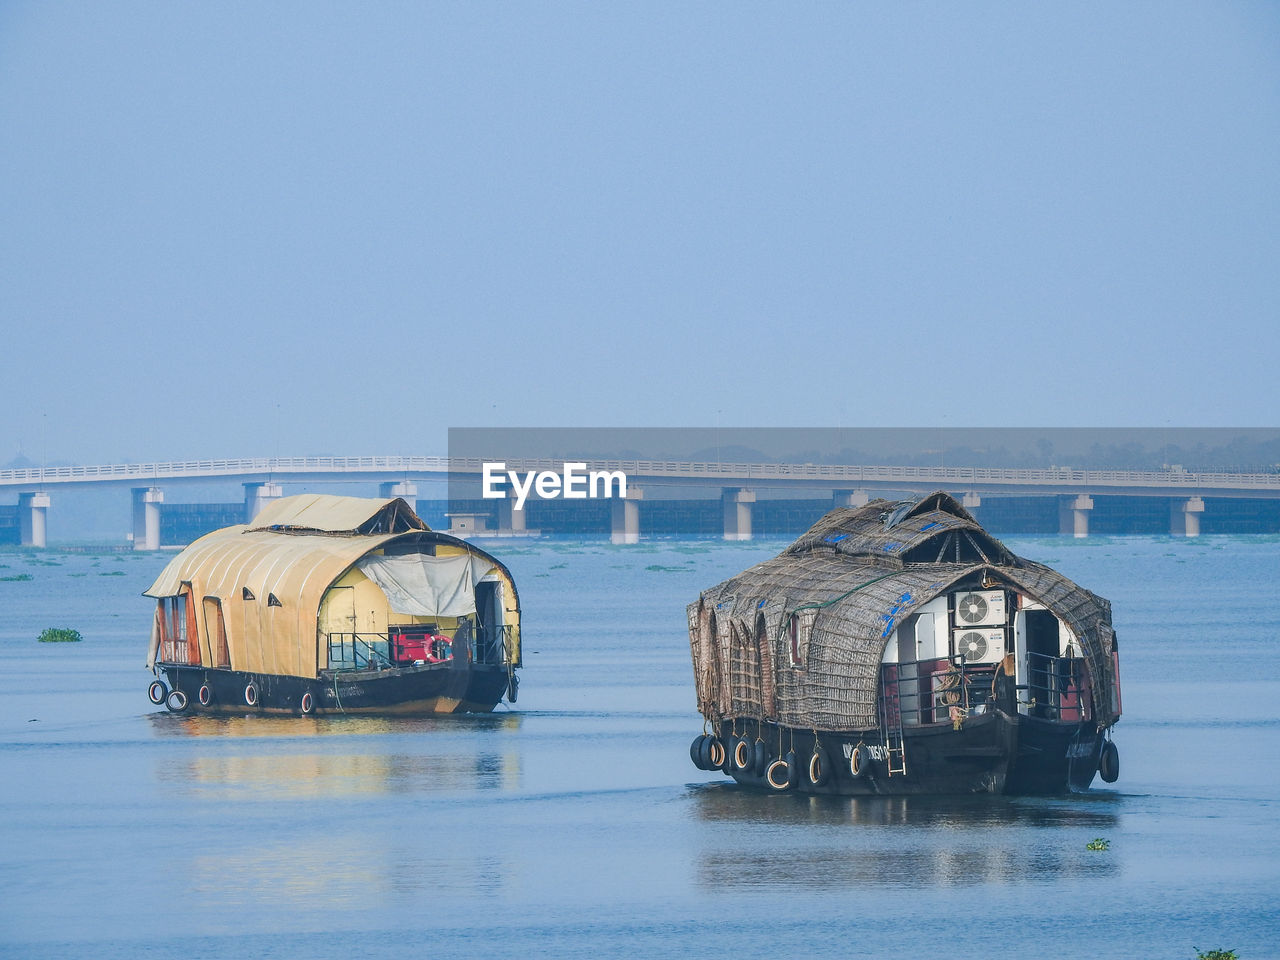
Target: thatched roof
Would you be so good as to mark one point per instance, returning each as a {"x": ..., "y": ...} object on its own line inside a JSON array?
[{"x": 850, "y": 580}]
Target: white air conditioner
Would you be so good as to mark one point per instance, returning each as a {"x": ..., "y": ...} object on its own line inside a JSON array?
[
  {"x": 978, "y": 646},
  {"x": 980, "y": 608}
]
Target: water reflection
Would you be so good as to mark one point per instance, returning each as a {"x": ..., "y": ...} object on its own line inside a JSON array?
[
  {"x": 953, "y": 841},
  {"x": 720, "y": 801},
  {"x": 293, "y": 757}
]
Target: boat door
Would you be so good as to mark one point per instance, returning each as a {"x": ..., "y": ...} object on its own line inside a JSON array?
[
  {"x": 337, "y": 627},
  {"x": 489, "y": 622}
]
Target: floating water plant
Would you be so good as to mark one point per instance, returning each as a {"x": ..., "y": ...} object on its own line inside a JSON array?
[
  {"x": 60, "y": 635},
  {"x": 1216, "y": 954},
  {"x": 16, "y": 578},
  {"x": 1098, "y": 843}
]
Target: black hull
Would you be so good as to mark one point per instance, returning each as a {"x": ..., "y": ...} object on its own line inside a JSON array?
[
  {"x": 992, "y": 753},
  {"x": 442, "y": 688}
]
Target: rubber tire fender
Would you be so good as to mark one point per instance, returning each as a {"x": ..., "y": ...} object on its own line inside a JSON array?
[
  {"x": 858, "y": 761},
  {"x": 760, "y": 759},
  {"x": 177, "y": 701},
  {"x": 819, "y": 769},
  {"x": 695, "y": 750},
  {"x": 793, "y": 770},
  {"x": 251, "y": 693},
  {"x": 744, "y": 757},
  {"x": 716, "y": 754},
  {"x": 704, "y": 752},
  {"x": 307, "y": 704},
  {"x": 157, "y": 693},
  {"x": 1109, "y": 762},
  {"x": 513, "y": 688},
  {"x": 205, "y": 695},
  {"x": 779, "y": 775}
]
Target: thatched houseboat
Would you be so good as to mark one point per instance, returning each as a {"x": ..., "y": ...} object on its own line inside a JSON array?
[
  {"x": 900, "y": 648},
  {"x": 334, "y": 605}
]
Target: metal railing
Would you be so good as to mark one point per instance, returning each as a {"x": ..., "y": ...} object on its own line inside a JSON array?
[
  {"x": 1053, "y": 688},
  {"x": 360, "y": 651},
  {"x": 916, "y": 693}
]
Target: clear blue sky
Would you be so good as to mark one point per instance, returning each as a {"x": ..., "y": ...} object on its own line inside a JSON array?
[{"x": 233, "y": 229}]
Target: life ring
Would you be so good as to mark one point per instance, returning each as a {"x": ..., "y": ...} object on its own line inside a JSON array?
[
  {"x": 695, "y": 751},
  {"x": 858, "y": 761},
  {"x": 251, "y": 693},
  {"x": 819, "y": 767},
  {"x": 760, "y": 759},
  {"x": 176, "y": 701},
  {"x": 743, "y": 755},
  {"x": 1109, "y": 762},
  {"x": 778, "y": 775},
  {"x": 307, "y": 704},
  {"x": 205, "y": 695},
  {"x": 157, "y": 692}
]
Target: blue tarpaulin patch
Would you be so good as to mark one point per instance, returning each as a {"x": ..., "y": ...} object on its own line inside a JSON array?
[
  {"x": 890, "y": 547},
  {"x": 834, "y": 537}
]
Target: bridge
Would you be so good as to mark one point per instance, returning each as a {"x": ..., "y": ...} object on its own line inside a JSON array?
[{"x": 849, "y": 485}]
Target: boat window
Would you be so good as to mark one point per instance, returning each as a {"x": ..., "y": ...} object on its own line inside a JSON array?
[
  {"x": 215, "y": 627},
  {"x": 273, "y": 600},
  {"x": 247, "y": 594}
]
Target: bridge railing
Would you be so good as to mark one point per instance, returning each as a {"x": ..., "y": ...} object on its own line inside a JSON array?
[{"x": 731, "y": 472}]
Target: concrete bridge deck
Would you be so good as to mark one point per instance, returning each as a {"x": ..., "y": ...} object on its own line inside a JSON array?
[{"x": 849, "y": 484}]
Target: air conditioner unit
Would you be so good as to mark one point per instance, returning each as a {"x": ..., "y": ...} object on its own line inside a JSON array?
[
  {"x": 980, "y": 608},
  {"x": 978, "y": 646}
]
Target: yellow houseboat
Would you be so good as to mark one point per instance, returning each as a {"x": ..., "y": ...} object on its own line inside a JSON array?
[{"x": 330, "y": 604}]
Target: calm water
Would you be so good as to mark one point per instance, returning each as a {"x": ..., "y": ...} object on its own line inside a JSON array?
[{"x": 575, "y": 826}]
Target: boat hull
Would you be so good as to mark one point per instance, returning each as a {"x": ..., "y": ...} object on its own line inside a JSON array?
[
  {"x": 991, "y": 753},
  {"x": 438, "y": 688}
]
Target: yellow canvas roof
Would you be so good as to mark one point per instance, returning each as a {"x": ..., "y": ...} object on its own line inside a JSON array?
[
  {"x": 332, "y": 514},
  {"x": 295, "y": 569}
]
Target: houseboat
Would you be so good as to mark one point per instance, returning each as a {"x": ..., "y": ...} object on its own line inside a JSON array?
[
  {"x": 899, "y": 648},
  {"x": 329, "y": 604}
]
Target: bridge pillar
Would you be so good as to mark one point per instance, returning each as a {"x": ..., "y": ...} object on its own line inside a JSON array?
[
  {"x": 511, "y": 522},
  {"x": 737, "y": 513},
  {"x": 33, "y": 511},
  {"x": 626, "y": 516},
  {"x": 257, "y": 495},
  {"x": 1073, "y": 515},
  {"x": 1184, "y": 516},
  {"x": 405, "y": 489},
  {"x": 468, "y": 524},
  {"x": 971, "y": 502},
  {"x": 850, "y": 498},
  {"x": 146, "y": 517}
]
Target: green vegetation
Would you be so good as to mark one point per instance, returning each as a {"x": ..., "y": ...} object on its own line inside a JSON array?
[
  {"x": 16, "y": 578},
  {"x": 1098, "y": 843},
  {"x": 1216, "y": 954},
  {"x": 60, "y": 635}
]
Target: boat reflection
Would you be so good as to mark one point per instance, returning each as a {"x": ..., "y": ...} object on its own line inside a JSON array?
[
  {"x": 957, "y": 840},
  {"x": 291, "y": 758}
]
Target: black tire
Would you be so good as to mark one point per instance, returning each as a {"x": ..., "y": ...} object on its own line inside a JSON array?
[
  {"x": 793, "y": 770},
  {"x": 251, "y": 693},
  {"x": 760, "y": 759},
  {"x": 858, "y": 761},
  {"x": 157, "y": 693},
  {"x": 778, "y": 775},
  {"x": 744, "y": 757},
  {"x": 717, "y": 754},
  {"x": 513, "y": 688},
  {"x": 176, "y": 701},
  {"x": 819, "y": 767},
  {"x": 695, "y": 751},
  {"x": 205, "y": 695},
  {"x": 1109, "y": 762},
  {"x": 307, "y": 704},
  {"x": 704, "y": 752}
]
